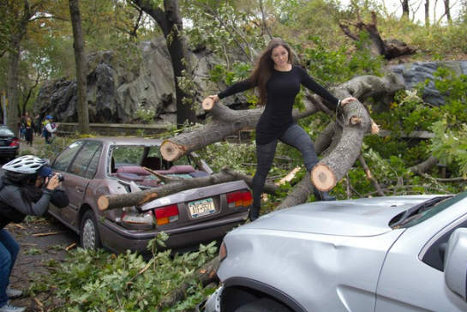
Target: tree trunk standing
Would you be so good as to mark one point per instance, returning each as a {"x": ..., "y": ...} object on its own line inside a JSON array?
[
  {"x": 180, "y": 61},
  {"x": 171, "y": 24},
  {"x": 405, "y": 8},
  {"x": 12, "y": 89},
  {"x": 447, "y": 11},
  {"x": 20, "y": 19},
  {"x": 81, "y": 67},
  {"x": 427, "y": 13}
]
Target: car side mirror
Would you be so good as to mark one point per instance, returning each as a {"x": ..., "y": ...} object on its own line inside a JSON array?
[{"x": 455, "y": 263}]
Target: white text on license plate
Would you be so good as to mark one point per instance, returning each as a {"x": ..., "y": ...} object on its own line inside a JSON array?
[{"x": 201, "y": 208}]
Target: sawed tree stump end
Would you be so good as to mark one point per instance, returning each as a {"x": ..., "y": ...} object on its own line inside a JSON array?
[
  {"x": 323, "y": 178},
  {"x": 171, "y": 151}
]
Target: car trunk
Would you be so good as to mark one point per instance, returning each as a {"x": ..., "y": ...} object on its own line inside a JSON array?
[{"x": 204, "y": 204}]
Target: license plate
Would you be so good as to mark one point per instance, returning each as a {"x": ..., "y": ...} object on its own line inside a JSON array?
[{"x": 201, "y": 208}]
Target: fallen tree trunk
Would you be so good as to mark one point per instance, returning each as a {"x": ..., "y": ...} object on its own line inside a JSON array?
[
  {"x": 377, "y": 46},
  {"x": 138, "y": 198},
  {"x": 299, "y": 194},
  {"x": 334, "y": 166}
]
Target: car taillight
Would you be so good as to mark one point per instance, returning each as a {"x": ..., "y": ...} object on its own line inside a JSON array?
[
  {"x": 133, "y": 217},
  {"x": 166, "y": 214},
  {"x": 239, "y": 198},
  {"x": 14, "y": 142}
]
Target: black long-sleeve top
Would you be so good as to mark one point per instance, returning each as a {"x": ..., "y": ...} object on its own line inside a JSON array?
[{"x": 281, "y": 90}]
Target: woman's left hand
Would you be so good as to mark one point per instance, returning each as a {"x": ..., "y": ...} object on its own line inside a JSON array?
[{"x": 347, "y": 100}]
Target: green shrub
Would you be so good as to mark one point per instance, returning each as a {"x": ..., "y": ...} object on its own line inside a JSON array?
[{"x": 101, "y": 281}]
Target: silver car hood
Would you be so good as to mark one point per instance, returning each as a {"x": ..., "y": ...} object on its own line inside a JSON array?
[{"x": 359, "y": 217}]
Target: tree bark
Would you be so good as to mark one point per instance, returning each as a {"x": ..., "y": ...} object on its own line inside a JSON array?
[
  {"x": 427, "y": 13},
  {"x": 424, "y": 166},
  {"x": 356, "y": 122},
  {"x": 19, "y": 19},
  {"x": 299, "y": 194},
  {"x": 138, "y": 198},
  {"x": 12, "y": 84},
  {"x": 170, "y": 22},
  {"x": 81, "y": 67},
  {"x": 447, "y": 11},
  {"x": 405, "y": 8}
]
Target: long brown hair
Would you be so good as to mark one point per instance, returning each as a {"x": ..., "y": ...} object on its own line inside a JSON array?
[{"x": 265, "y": 66}]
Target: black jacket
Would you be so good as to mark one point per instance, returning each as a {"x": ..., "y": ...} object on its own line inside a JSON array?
[{"x": 14, "y": 207}]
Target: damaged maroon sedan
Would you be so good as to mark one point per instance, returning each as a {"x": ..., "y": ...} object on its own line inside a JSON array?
[{"x": 101, "y": 166}]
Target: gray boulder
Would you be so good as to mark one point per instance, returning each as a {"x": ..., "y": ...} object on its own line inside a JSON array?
[
  {"x": 417, "y": 73},
  {"x": 116, "y": 92}
]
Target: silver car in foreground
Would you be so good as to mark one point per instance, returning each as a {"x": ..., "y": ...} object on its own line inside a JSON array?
[{"x": 392, "y": 254}]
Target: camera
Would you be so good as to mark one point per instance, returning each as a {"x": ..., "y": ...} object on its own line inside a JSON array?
[{"x": 59, "y": 176}]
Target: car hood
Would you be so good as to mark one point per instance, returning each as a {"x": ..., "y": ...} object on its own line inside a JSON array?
[{"x": 359, "y": 217}]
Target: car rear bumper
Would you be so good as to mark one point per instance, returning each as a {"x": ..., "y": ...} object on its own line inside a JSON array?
[
  {"x": 119, "y": 239},
  {"x": 8, "y": 151}
]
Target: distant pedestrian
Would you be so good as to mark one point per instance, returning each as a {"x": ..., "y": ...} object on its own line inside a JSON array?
[
  {"x": 28, "y": 134},
  {"x": 50, "y": 127}
]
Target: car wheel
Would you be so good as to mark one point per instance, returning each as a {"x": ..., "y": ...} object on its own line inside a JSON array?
[
  {"x": 89, "y": 234},
  {"x": 263, "y": 305}
]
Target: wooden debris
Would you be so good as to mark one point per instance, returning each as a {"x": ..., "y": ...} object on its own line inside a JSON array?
[
  {"x": 47, "y": 234},
  {"x": 71, "y": 246}
]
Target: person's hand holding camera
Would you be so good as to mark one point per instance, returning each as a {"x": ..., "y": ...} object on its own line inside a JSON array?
[{"x": 53, "y": 182}]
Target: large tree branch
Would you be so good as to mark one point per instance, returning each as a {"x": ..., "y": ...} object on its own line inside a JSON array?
[
  {"x": 424, "y": 166},
  {"x": 155, "y": 12},
  {"x": 173, "y": 186}
]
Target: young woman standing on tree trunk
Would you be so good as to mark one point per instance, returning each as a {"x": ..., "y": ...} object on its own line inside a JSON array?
[{"x": 278, "y": 83}]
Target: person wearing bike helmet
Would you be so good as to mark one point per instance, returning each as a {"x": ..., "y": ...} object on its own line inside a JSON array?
[
  {"x": 26, "y": 188},
  {"x": 50, "y": 127}
]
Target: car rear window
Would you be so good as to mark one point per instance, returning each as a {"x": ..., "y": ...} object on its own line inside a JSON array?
[
  {"x": 5, "y": 132},
  {"x": 127, "y": 155}
]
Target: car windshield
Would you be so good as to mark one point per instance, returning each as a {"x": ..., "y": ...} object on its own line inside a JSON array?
[{"x": 425, "y": 210}]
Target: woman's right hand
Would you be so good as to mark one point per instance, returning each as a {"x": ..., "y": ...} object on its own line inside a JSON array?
[
  {"x": 53, "y": 183},
  {"x": 214, "y": 97},
  {"x": 208, "y": 103}
]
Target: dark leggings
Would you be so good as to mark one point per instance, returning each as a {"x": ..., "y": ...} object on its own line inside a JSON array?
[{"x": 294, "y": 136}]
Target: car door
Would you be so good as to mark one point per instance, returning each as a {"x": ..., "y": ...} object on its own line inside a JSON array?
[
  {"x": 412, "y": 277},
  {"x": 61, "y": 164},
  {"x": 82, "y": 168}
]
